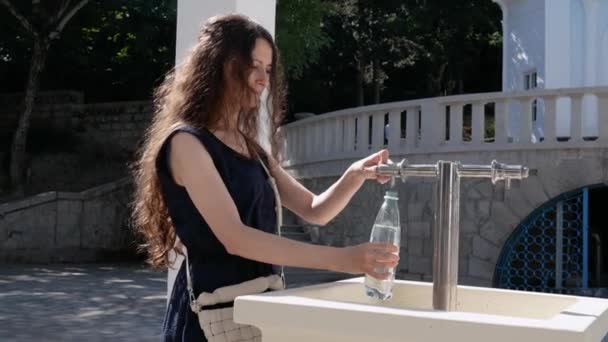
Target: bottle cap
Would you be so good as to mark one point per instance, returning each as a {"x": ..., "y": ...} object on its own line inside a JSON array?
[{"x": 391, "y": 195}]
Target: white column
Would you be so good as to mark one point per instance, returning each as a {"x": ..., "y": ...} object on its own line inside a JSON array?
[
  {"x": 433, "y": 123},
  {"x": 349, "y": 134},
  {"x": 411, "y": 126},
  {"x": 557, "y": 44},
  {"x": 363, "y": 134},
  {"x": 329, "y": 133},
  {"x": 603, "y": 118},
  {"x": 478, "y": 126},
  {"x": 378, "y": 131},
  {"x": 394, "y": 130},
  {"x": 505, "y": 46},
  {"x": 319, "y": 140},
  {"x": 191, "y": 14},
  {"x": 576, "y": 118},
  {"x": 338, "y": 135},
  {"x": 603, "y": 67},
  {"x": 456, "y": 123},
  {"x": 501, "y": 121},
  {"x": 550, "y": 116},
  {"x": 525, "y": 122},
  {"x": 592, "y": 44}
]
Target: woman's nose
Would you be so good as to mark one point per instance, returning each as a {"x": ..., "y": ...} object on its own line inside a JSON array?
[{"x": 262, "y": 79}]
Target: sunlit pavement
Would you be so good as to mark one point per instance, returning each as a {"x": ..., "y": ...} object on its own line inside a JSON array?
[{"x": 87, "y": 302}]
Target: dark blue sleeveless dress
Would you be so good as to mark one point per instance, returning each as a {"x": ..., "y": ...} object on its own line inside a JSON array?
[{"x": 212, "y": 267}]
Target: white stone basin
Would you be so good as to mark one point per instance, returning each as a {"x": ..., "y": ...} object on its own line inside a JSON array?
[{"x": 341, "y": 312}]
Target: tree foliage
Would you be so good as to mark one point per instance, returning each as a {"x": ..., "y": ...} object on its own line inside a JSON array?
[
  {"x": 113, "y": 50},
  {"x": 300, "y": 35},
  {"x": 40, "y": 23},
  {"x": 337, "y": 53}
]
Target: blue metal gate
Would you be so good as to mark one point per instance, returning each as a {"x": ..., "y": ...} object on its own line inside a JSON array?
[{"x": 547, "y": 252}]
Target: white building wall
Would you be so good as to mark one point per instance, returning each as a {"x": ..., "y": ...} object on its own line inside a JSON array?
[
  {"x": 566, "y": 42},
  {"x": 191, "y": 14},
  {"x": 557, "y": 42},
  {"x": 577, "y": 44},
  {"x": 525, "y": 32},
  {"x": 603, "y": 61},
  {"x": 524, "y": 52}
]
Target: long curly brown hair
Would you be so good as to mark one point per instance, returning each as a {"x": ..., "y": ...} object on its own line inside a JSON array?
[{"x": 196, "y": 92}]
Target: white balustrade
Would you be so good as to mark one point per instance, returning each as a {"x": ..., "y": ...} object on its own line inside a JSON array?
[
  {"x": 412, "y": 127},
  {"x": 603, "y": 116},
  {"x": 550, "y": 117},
  {"x": 394, "y": 129},
  {"x": 456, "y": 124},
  {"x": 525, "y": 123},
  {"x": 378, "y": 130},
  {"x": 562, "y": 119},
  {"x": 576, "y": 117}
]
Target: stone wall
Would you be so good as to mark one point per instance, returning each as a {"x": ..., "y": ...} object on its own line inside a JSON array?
[
  {"x": 489, "y": 213},
  {"x": 73, "y": 145},
  {"x": 115, "y": 125},
  {"x": 68, "y": 227}
]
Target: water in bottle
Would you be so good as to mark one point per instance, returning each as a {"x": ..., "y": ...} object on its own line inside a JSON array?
[{"x": 386, "y": 229}]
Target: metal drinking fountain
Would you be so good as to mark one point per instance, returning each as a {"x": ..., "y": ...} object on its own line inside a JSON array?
[{"x": 447, "y": 216}]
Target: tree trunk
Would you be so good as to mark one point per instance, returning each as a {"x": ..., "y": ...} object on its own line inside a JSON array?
[
  {"x": 18, "y": 147},
  {"x": 377, "y": 81},
  {"x": 434, "y": 80},
  {"x": 360, "y": 57},
  {"x": 360, "y": 71}
]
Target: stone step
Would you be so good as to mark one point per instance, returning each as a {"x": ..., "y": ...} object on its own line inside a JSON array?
[{"x": 295, "y": 232}]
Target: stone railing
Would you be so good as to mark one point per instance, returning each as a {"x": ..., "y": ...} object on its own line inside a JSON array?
[
  {"x": 68, "y": 227},
  {"x": 565, "y": 145},
  {"x": 541, "y": 119}
]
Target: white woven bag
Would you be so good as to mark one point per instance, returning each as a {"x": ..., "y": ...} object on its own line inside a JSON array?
[{"x": 218, "y": 324}]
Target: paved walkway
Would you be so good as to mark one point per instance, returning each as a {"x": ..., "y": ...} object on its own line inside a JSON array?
[{"x": 89, "y": 302}]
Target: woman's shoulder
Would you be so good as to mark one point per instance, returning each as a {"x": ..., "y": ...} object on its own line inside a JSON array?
[
  {"x": 185, "y": 139},
  {"x": 187, "y": 132}
]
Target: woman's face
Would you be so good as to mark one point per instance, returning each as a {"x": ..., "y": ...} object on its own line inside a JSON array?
[{"x": 259, "y": 78}]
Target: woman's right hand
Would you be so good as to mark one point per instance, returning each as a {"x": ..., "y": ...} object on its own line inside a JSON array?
[{"x": 370, "y": 257}]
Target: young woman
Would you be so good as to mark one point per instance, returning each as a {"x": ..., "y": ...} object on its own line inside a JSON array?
[{"x": 201, "y": 179}]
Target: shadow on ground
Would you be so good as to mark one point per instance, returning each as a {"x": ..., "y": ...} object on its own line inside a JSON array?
[{"x": 92, "y": 302}]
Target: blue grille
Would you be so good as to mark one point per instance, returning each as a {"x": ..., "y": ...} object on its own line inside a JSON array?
[{"x": 529, "y": 260}]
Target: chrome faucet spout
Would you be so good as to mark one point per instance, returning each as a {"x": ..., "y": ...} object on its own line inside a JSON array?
[{"x": 447, "y": 213}]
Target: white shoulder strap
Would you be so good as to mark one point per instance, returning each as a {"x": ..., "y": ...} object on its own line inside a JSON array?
[{"x": 279, "y": 213}]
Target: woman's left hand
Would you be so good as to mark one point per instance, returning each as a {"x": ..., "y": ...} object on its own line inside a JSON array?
[{"x": 366, "y": 168}]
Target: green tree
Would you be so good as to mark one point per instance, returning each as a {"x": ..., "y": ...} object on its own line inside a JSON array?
[
  {"x": 42, "y": 23},
  {"x": 375, "y": 41},
  {"x": 122, "y": 48},
  {"x": 300, "y": 34},
  {"x": 399, "y": 50},
  {"x": 459, "y": 37}
]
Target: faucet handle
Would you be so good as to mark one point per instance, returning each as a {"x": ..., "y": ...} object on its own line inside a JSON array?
[
  {"x": 506, "y": 172},
  {"x": 393, "y": 170}
]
